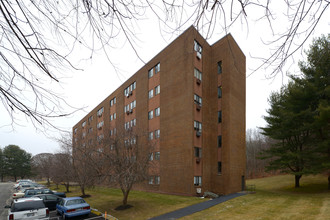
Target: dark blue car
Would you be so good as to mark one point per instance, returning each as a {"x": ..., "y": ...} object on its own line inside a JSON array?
[{"x": 72, "y": 206}]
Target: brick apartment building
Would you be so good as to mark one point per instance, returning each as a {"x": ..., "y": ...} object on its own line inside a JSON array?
[{"x": 191, "y": 98}]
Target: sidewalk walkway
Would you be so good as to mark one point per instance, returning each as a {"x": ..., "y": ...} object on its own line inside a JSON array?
[{"x": 197, "y": 207}]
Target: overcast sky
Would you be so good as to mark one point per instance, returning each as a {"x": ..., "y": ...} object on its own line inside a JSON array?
[{"x": 102, "y": 80}]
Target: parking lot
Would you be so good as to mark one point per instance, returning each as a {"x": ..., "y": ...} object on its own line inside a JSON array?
[{"x": 54, "y": 216}]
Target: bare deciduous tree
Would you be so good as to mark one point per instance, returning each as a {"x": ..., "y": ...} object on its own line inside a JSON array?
[
  {"x": 127, "y": 156},
  {"x": 43, "y": 163},
  {"x": 40, "y": 36},
  {"x": 255, "y": 144}
]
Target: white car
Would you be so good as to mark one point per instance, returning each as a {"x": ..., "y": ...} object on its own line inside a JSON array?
[
  {"x": 20, "y": 193},
  {"x": 27, "y": 208}
]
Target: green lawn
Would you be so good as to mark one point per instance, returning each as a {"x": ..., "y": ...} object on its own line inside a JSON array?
[
  {"x": 275, "y": 198},
  {"x": 145, "y": 205}
]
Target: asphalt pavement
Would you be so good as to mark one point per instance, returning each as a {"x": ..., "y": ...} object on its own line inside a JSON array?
[
  {"x": 197, "y": 207},
  {"x": 6, "y": 190}
]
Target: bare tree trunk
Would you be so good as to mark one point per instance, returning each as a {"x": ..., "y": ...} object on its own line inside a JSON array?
[
  {"x": 297, "y": 179},
  {"x": 329, "y": 182},
  {"x": 125, "y": 193},
  {"x": 82, "y": 188},
  {"x": 67, "y": 185}
]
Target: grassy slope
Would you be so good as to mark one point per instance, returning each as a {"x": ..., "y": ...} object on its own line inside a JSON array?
[{"x": 276, "y": 198}]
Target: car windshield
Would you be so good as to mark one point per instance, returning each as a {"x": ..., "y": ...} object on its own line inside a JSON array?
[
  {"x": 74, "y": 202},
  {"x": 28, "y": 205}
]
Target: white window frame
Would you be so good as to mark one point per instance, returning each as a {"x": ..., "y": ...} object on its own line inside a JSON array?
[
  {"x": 157, "y": 90},
  {"x": 150, "y": 114},
  {"x": 197, "y": 180},
  {"x": 151, "y": 93},
  {"x": 157, "y": 112}
]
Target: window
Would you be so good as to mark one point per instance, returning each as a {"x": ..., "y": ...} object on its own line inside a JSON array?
[
  {"x": 198, "y": 152},
  {"x": 219, "y": 167},
  {"x": 133, "y": 140},
  {"x": 111, "y": 132},
  {"x": 100, "y": 138},
  {"x": 111, "y": 117},
  {"x": 151, "y": 135},
  {"x": 133, "y": 122},
  {"x": 151, "y": 115},
  {"x": 126, "y": 125},
  {"x": 100, "y": 112},
  {"x": 112, "y": 101},
  {"x": 157, "y": 134},
  {"x": 197, "y": 125},
  {"x": 83, "y": 124},
  {"x": 151, "y": 157},
  {"x": 114, "y": 115},
  {"x": 198, "y": 74},
  {"x": 90, "y": 130},
  {"x": 157, "y": 90},
  {"x": 157, "y": 180},
  {"x": 219, "y": 67},
  {"x": 197, "y": 47},
  {"x": 151, "y": 73},
  {"x": 128, "y": 91},
  {"x": 219, "y": 141},
  {"x": 197, "y": 180},
  {"x": 151, "y": 94},
  {"x": 133, "y": 104},
  {"x": 157, "y": 68},
  {"x": 219, "y": 116},
  {"x": 219, "y": 92},
  {"x": 75, "y": 130},
  {"x": 100, "y": 124},
  {"x": 197, "y": 99},
  {"x": 90, "y": 142},
  {"x": 151, "y": 180},
  {"x": 90, "y": 119},
  {"x": 157, "y": 111},
  {"x": 157, "y": 155},
  {"x": 83, "y": 134}
]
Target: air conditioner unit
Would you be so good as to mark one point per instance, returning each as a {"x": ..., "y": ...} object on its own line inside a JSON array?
[
  {"x": 198, "y": 107},
  {"x": 127, "y": 112},
  {"x": 198, "y": 133},
  {"x": 198, "y": 81},
  {"x": 198, "y": 160},
  {"x": 199, "y": 55},
  {"x": 130, "y": 93},
  {"x": 131, "y": 111},
  {"x": 199, "y": 190},
  {"x": 100, "y": 127}
]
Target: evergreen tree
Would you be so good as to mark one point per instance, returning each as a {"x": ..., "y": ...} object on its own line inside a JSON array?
[
  {"x": 316, "y": 80},
  {"x": 17, "y": 162},
  {"x": 299, "y": 117}
]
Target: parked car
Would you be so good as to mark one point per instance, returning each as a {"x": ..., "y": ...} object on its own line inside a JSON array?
[
  {"x": 27, "y": 208},
  {"x": 33, "y": 192},
  {"x": 49, "y": 200},
  {"x": 20, "y": 193},
  {"x": 72, "y": 206}
]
